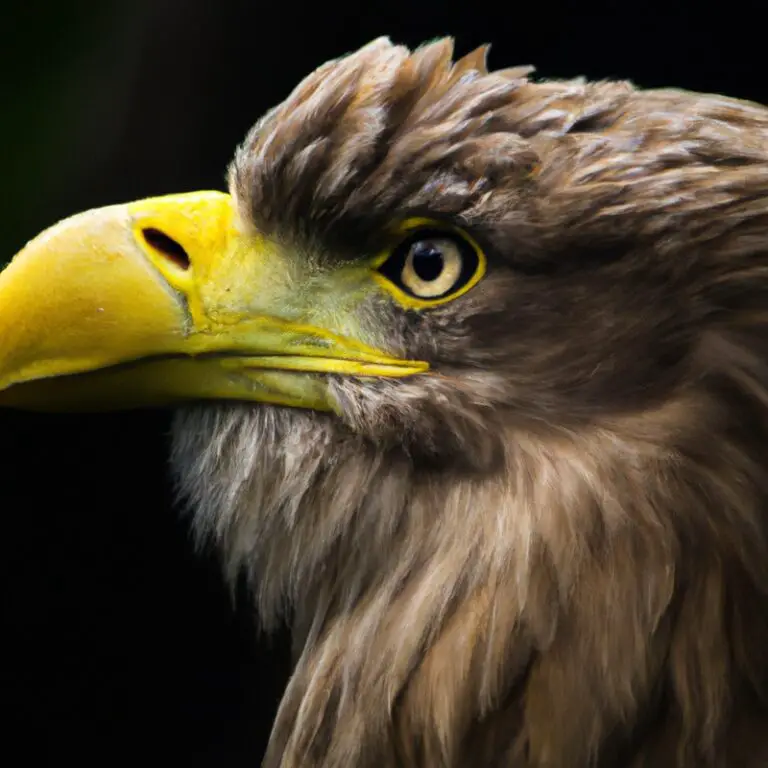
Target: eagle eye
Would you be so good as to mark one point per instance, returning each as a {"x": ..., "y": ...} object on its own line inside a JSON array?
[{"x": 430, "y": 266}]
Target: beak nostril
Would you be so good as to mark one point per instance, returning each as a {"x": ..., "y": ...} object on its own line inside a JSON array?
[{"x": 167, "y": 246}]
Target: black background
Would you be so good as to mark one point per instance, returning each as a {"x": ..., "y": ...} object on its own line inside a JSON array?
[{"x": 120, "y": 642}]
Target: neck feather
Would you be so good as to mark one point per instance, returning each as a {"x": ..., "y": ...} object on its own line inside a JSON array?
[{"x": 545, "y": 609}]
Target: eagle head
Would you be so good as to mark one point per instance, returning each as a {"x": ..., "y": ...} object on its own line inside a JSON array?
[{"x": 471, "y": 375}]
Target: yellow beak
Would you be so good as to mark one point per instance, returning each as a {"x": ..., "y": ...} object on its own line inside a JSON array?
[{"x": 160, "y": 301}]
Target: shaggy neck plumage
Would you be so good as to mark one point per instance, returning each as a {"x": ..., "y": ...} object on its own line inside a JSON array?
[{"x": 563, "y": 590}]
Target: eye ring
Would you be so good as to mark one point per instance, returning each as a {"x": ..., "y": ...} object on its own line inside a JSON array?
[{"x": 431, "y": 266}]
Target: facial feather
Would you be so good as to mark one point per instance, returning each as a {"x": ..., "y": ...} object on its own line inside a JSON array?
[{"x": 550, "y": 550}]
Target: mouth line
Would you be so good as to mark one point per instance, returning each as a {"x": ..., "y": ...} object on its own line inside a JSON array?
[
  {"x": 285, "y": 380},
  {"x": 314, "y": 363},
  {"x": 237, "y": 362},
  {"x": 338, "y": 365}
]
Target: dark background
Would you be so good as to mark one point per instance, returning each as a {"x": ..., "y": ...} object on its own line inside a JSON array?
[{"x": 120, "y": 642}]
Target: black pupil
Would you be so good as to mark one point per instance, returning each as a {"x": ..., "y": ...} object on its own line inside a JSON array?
[{"x": 427, "y": 260}]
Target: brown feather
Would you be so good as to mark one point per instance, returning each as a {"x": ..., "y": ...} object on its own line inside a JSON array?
[{"x": 553, "y": 549}]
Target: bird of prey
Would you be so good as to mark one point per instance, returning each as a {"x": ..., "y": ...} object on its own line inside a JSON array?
[{"x": 472, "y": 378}]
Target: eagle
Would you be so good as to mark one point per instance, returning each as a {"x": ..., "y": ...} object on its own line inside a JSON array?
[{"x": 471, "y": 379}]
